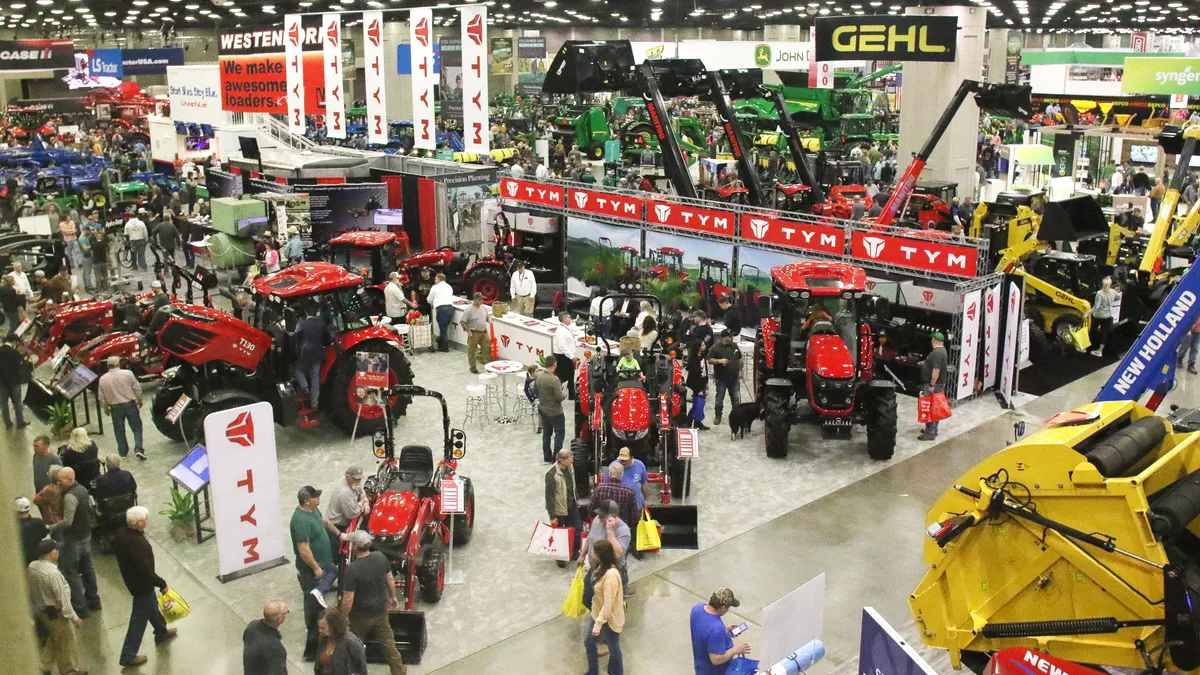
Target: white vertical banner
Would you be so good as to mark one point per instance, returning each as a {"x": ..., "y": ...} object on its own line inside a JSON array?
[
  {"x": 1014, "y": 316},
  {"x": 293, "y": 49},
  {"x": 476, "y": 130},
  {"x": 420, "y": 37},
  {"x": 377, "y": 119},
  {"x": 969, "y": 344},
  {"x": 335, "y": 105},
  {"x": 991, "y": 334},
  {"x": 824, "y": 75},
  {"x": 244, "y": 479}
]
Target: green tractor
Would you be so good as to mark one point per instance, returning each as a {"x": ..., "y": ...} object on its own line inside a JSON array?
[
  {"x": 120, "y": 195},
  {"x": 587, "y": 128}
]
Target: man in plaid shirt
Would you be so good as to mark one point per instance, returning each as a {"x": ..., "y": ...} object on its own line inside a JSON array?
[
  {"x": 50, "y": 597},
  {"x": 613, "y": 489}
]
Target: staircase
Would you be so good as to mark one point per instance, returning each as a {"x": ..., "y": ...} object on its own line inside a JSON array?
[{"x": 280, "y": 131}]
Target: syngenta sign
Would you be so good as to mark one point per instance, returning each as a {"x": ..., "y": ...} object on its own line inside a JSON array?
[{"x": 1165, "y": 75}]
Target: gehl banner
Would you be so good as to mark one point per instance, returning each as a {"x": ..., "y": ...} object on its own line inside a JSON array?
[{"x": 885, "y": 38}]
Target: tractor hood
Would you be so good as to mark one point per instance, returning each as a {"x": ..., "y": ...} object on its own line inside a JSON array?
[
  {"x": 394, "y": 512},
  {"x": 829, "y": 358},
  {"x": 630, "y": 410},
  {"x": 76, "y": 309}
]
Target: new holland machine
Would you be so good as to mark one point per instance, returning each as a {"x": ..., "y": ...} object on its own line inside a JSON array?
[
  {"x": 1081, "y": 540},
  {"x": 815, "y": 348}
]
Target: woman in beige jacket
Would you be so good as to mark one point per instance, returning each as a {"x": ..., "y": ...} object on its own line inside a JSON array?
[{"x": 608, "y": 611}]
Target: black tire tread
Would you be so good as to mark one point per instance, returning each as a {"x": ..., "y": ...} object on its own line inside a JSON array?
[
  {"x": 776, "y": 423},
  {"x": 462, "y": 529},
  {"x": 427, "y": 573},
  {"x": 882, "y": 419}
]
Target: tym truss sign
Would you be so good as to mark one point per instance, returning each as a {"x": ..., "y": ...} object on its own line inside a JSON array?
[{"x": 914, "y": 253}]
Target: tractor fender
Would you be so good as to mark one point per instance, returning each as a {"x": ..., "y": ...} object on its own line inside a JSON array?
[
  {"x": 779, "y": 383},
  {"x": 349, "y": 340},
  {"x": 484, "y": 262},
  {"x": 768, "y": 327},
  {"x": 877, "y": 384},
  {"x": 223, "y": 395}
]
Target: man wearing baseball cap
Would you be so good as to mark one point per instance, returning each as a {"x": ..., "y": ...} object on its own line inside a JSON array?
[
  {"x": 33, "y": 529},
  {"x": 607, "y": 525},
  {"x": 311, "y": 542},
  {"x": 346, "y": 499},
  {"x": 933, "y": 381},
  {"x": 712, "y": 644}
]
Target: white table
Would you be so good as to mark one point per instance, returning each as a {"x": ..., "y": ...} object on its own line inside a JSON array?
[{"x": 505, "y": 368}]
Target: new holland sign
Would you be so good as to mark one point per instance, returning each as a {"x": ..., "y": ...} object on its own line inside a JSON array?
[{"x": 894, "y": 38}]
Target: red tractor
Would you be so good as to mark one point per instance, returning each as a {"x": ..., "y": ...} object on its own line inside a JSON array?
[
  {"x": 840, "y": 201},
  {"x": 226, "y": 362},
  {"x": 616, "y": 409},
  {"x": 815, "y": 347},
  {"x": 405, "y": 519},
  {"x": 713, "y": 282},
  {"x": 667, "y": 263},
  {"x": 79, "y": 322}
]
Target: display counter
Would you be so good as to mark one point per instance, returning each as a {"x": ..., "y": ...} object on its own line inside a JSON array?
[{"x": 521, "y": 338}]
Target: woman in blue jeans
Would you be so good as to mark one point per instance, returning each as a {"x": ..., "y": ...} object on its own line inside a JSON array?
[{"x": 608, "y": 611}]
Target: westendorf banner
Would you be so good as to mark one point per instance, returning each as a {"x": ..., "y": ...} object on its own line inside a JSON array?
[
  {"x": 605, "y": 204},
  {"x": 377, "y": 119},
  {"x": 530, "y": 191},
  {"x": 686, "y": 217},
  {"x": 254, "y": 72},
  {"x": 420, "y": 30},
  {"x": 475, "y": 79},
  {"x": 294, "y": 65},
  {"x": 916, "y": 253},
  {"x": 802, "y": 236},
  {"x": 335, "y": 105},
  {"x": 23, "y": 55}
]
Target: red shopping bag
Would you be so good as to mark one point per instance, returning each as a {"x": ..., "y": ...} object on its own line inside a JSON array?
[{"x": 933, "y": 408}]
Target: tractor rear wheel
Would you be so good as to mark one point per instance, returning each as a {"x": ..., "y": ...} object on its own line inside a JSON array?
[
  {"x": 431, "y": 573},
  {"x": 582, "y": 450},
  {"x": 1064, "y": 326},
  {"x": 881, "y": 423},
  {"x": 343, "y": 403},
  {"x": 777, "y": 422},
  {"x": 464, "y": 523},
  {"x": 488, "y": 281}
]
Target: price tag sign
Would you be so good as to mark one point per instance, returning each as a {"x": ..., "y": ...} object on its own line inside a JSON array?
[
  {"x": 452, "y": 501},
  {"x": 689, "y": 443},
  {"x": 21, "y": 329},
  {"x": 59, "y": 356},
  {"x": 177, "y": 408}
]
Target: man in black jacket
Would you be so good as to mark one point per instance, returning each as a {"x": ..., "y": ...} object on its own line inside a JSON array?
[
  {"x": 12, "y": 368},
  {"x": 135, "y": 559},
  {"x": 263, "y": 652},
  {"x": 33, "y": 530}
]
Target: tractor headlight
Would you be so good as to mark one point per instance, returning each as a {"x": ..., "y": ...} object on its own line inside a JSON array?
[
  {"x": 630, "y": 435},
  {"x": 391, "y": 545}
]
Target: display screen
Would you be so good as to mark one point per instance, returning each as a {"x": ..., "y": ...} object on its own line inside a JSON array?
[
  {"x": 74, "y": 382},
  {"x": 194, "y": 143},
  {"x": 251, "y": 222},
  {"x": 389, "y": 216},
  {"x": 1143, "y": 153},
  {"x": 192, "y": 471}
]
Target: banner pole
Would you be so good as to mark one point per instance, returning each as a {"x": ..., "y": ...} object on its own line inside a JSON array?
[{"x": 687, "y": 482}]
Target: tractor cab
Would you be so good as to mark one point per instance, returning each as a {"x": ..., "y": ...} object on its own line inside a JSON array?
[
  {"x": 333, "y": 293},
  {"x": 371, "y": 254},
  {"x": 631, "y": 261},
  {"x": 713, "y": 280},
  {"x": 1075, "y": 273},
  {"x": 820, "y": 316},
  {"x": 793, "y": 197},
  {"x": 666, "y": 263}
]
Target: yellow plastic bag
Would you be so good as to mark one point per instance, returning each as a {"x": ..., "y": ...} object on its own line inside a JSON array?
[
  {"x": 173, "y": 606},
  {"x": 649, "y": 537},
  {"x": 573, "y": 605}
]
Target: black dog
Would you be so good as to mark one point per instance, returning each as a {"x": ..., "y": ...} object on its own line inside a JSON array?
[{"x": 741, "y": 418}]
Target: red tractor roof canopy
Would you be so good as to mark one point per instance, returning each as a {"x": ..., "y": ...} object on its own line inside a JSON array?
[
  {"x": 819, "y": 278},
  {"x": 363, "y": 239},
  {"x": 306, "y": 279}
]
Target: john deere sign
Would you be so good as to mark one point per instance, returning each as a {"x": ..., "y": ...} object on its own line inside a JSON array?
[
  {"x": 895, "y": 38},
  {"x": 1160, "y": 75},
  {"x": 782, "y": 55},
  {"x": 762, "y": 56}
]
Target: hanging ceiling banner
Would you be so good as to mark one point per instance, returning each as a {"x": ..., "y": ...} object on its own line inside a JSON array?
[
  {"x": 886, "y": 37},
  {"x": 293, "y": 63},
  {"x": 335, "y": 106},
  {"x": 377, "y": 119},
  {"x": 20, "y": 55},
  {"x": 420, "y": 37},
  {"x": 475, "y": 79}
]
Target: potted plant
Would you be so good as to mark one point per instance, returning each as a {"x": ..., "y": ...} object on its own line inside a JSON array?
[
  {"x": 181, "y": 514},
  {"x": 60, "y": 419}
]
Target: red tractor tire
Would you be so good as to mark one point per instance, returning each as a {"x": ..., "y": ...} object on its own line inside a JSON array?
[
  {"x": 487, "y": 280},
  {"x": 464, "y": 523},
  {"x": 431, "y": 572},
  {"x": 337, "y": 393}
]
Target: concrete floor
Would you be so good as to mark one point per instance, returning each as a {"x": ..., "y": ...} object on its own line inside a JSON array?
[{"x": 766, "y": 527}]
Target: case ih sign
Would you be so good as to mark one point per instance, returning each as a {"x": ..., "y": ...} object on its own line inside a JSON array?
[
  {"x": 803, "y": 236},
  {"x": 605, "y": 204},
  {"x": 685, "y": 217},
  {"x": 922, "y": 254},
  {"x": 530, "y": 191}
]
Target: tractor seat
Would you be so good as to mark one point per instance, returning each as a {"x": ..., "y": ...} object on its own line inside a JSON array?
[{"x": 415, "y": 465}]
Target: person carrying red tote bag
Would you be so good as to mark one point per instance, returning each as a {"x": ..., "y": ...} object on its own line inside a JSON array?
[{"x": 932, "y": 406}]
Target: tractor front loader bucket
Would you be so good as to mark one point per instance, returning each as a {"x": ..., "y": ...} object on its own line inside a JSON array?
[
  {"x": 582, "y": 66},
  {"x": 411, "y": 638},
  {"x": 678, "y": 523},
  {"x": 1006, "y": 100}
]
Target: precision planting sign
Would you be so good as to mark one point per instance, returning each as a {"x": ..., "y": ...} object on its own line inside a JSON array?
[
  {"x": 898, "y": 38},
  {"x": 1161, "y": 75}
]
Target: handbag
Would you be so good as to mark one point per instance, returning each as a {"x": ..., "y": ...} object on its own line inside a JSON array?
[
  {"x": 572, "y": 606},
  {"x": 173, "y": 606},
  {"x": 742, "y": 666},
  {"x": 551, "y": 542},
  {"x": 648, "y": 536},
  {"x": 933, "y": 407},
  {"x": 698, "y": 401}
]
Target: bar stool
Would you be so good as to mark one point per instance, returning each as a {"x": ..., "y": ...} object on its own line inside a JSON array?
[
  {"x": 477, "y": 405},
  {"x": 524, "y": 408},
  {"x": 402, "y": 332},
  {"x": 492, "y": 382}
]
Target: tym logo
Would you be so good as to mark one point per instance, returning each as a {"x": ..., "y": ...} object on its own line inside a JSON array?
[
  {"x": 874, "y": 246},
  {"x": 511, "y": 186},
  {"x": 475, "y": 29},
  {"x": 581, "y": 199},
  {"x": 928, "y": 295},
  {"x": 718, "y": 222},
  {"x": 971, "y": 310},
  {"x": 421, "y": 31},
  {"x": 663, "y": 212},
  {"x": 504, "y": 340},
  {"x": 759, "y": 227},
  {"x": 542, "y": 194},
  {"x": 828, "y": 241},
  {"x": 241, "y": 430},
  {"x": 294, "y": 34}
]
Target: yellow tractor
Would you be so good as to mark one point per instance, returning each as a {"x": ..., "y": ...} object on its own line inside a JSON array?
[{"x": 1079, "y": 541}]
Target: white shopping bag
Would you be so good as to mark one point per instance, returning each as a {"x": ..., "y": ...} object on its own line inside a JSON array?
[{"x": 552, "y": 542}]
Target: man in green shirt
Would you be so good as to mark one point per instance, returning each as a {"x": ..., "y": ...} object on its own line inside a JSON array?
[
  {"x": 933, "y": 378},
  {"x": 314, "y": 558}
]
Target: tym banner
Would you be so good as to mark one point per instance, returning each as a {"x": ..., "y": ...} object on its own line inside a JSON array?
[
  {"x": 253, "y": 69},
  {"x": 992, "y": 306},
  {"x": 377, "y": 119},
  {"x": 1165, "y": 75},
  {"x": 420, "y": 37},
  {"x": 968, "y": 353},
  {"x": 886, "y": 37},
  {"x": 1014, "y": 317},
  {"x": 24, "y": 55},
  {"x": 475, "y": 79},
  {"x": 335, "y": 106},
  {"x": 293, "y": 50}
]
